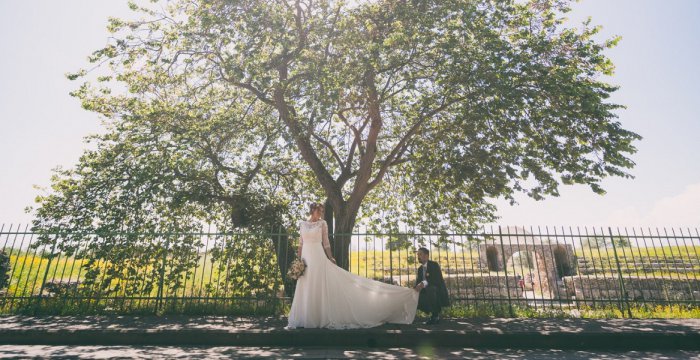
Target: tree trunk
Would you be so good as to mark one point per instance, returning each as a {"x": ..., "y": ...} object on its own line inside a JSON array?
[
  {"x": 278, "y": 235},
  {"x": 342, "y": 236},
  {"x": 285, "y": 255}
]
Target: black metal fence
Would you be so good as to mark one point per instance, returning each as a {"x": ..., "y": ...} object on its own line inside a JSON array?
[{"x": 564, "y": 270}]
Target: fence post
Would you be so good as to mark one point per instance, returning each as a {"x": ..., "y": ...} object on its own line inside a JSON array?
[
  {"x": 505, "y": 270},
  {"x": 391, "y": 259},
  {"x": 48, "y": 266},
  {"x": 619, "y": 275},
  {"x": 159, "y": 294}
]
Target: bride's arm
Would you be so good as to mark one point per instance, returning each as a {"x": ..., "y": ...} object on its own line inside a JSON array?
[
  {"x": 326, "y": 243},
  {"x": 301, "y": 241}
]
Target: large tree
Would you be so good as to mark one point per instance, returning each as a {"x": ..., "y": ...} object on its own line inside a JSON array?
[{"x": 425, "y": 110}]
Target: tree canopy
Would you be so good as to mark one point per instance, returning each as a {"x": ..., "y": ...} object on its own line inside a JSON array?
[{"x": 239, "y": 112}]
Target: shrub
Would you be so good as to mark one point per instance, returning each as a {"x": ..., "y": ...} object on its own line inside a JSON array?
[
  {"x": 4, "y": 270},
  {"x": 60, "y": 288}
]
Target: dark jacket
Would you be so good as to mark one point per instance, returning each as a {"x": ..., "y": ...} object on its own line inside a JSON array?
[{"x": 434, "y": 278}]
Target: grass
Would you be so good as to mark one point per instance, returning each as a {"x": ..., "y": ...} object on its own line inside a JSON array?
[
  {"x": 66, "y": 306},
  {"x": 377, "y": 263},
  {"x": 644, "y": 312},
  {"x": 656, "y": 262},
  {"x": 665, "y": 252},
  {"x": 280, "y": 307},
  {"x": 639, "y": 311},
  {"x": 29, "y": 271}
]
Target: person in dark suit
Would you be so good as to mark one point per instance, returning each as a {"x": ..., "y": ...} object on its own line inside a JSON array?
[{"x": 433, "y": 291}]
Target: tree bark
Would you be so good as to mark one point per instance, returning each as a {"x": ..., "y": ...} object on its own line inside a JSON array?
[
  {"x": 279, "y": 237},
  {"x": 341, "y": 238},
  {"x": 285, "y": 255}
]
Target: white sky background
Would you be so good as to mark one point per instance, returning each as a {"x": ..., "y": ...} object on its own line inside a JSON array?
[{"x": 41, "y": 126}]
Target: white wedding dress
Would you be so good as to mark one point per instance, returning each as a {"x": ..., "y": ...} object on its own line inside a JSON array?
[{"x": 327, "y": 296}]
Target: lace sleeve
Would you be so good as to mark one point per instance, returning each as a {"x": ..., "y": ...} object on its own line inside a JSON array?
[
  {"x": 301, "y": 238},
  {"x": 324, "y": 231}
]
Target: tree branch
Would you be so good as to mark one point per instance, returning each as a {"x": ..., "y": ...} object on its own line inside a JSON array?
[
  {"x": 402, "y": 145},
  {"x": 356, "y": 132},
  {"x": 247, "y": 86},
  {"x": 287, "y": 115},
  {"x": 332, "y": 150},
  {"x": 367, "y": 159}
]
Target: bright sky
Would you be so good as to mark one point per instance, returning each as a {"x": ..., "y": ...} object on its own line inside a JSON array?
[{"x": 42, "y": 127}]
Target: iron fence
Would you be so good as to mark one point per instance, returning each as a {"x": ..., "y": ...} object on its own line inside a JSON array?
[{"x": 563, "y": 269}]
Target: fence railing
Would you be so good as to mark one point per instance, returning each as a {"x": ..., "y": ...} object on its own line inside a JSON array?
[{"x": 561, "y": 269}]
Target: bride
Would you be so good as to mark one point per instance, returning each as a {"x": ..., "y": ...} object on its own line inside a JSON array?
[{"x": 327, "y": 296}]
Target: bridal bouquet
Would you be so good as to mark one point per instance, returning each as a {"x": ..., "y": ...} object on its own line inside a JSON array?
[{"x": 296, "y": 269}]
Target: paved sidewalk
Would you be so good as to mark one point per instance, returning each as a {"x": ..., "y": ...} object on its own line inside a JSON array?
[
  {"x": 653, "y": 334},
  {"x": 229, "y": 352}
]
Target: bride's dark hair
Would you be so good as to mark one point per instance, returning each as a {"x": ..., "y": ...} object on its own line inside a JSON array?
[{"x": 313, "y": 206}]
